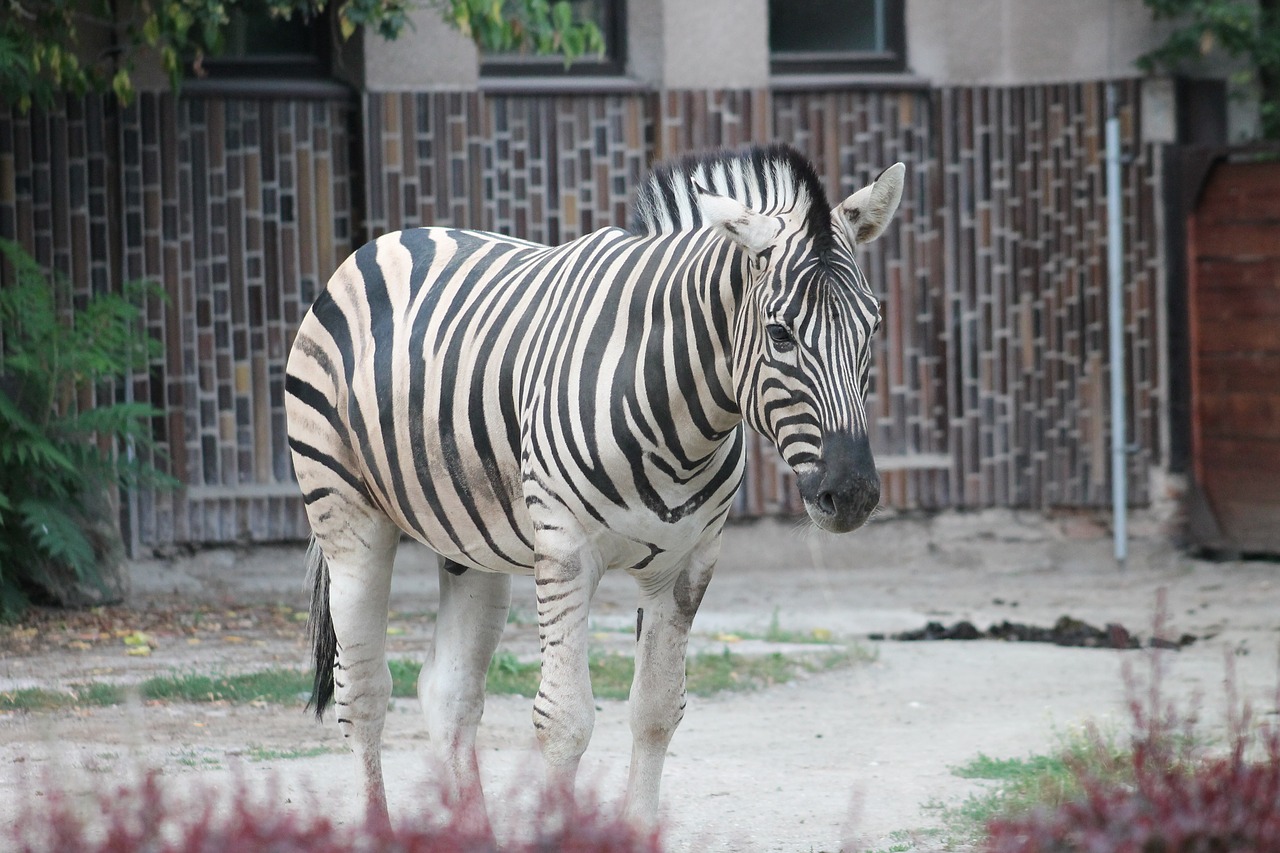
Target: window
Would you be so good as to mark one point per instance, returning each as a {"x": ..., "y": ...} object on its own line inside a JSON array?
[
  {"x": 256, "y": 44},
  {"x": 608, "y": 15},
  {"x": 824, "y": 36}
]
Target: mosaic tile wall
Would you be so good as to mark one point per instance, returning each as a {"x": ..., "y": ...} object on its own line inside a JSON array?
[
  {"x": 548, "y": 169},
  {"x": 239, "y": 210},
  {"x": 1023, "y": 214},
  {"x": 242, "y": 220},
  {"x": 991, "y": 379}
]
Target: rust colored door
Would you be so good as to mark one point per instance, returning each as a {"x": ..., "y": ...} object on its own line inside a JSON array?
[{"x": 1234, "y": 245}]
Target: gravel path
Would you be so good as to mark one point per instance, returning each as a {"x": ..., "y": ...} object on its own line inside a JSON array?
[{"x": 845, "y": 759}]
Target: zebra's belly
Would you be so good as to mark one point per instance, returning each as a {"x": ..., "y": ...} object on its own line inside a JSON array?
[
  {"x": 491, "y": 536},
  {"x": 482, "y": 538},
  {"x": 467, "y": 509}
]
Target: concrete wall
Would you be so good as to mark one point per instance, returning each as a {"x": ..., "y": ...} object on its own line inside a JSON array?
[
  {"x": 678, "y": 44},
  {"x": 724, "y": 44},
  {"x": 671, "y": 44},
  {"x": 711, "y": 44},
  {"x": 716, "y": 44},
  {"x": 429, "y": 56},
  {"x": 1008, "y": 42}
]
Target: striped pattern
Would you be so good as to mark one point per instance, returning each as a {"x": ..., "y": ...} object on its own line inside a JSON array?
[{"x": 563, "y": 411}]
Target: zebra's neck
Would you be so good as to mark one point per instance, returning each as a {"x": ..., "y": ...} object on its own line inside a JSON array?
[{"x": 693, "y": 288}]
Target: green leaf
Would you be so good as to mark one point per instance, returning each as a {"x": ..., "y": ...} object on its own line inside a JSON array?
[
  {"x": 58, "y": 535},
  {"x": 562, "y": 16},
  {"x": 122, "y": 85},
  {"x": 52, "y": 452},
  {"x": 151, "y": 29}
]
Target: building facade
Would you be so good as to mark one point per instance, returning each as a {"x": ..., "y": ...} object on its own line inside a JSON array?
[{"x": 242, "y": 193}]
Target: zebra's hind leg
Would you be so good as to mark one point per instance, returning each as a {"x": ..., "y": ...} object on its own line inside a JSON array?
[
  {"x": 359, "y": 593},
  {"x": 470, "y": 622},
  {"x": 668, "y": 603}
]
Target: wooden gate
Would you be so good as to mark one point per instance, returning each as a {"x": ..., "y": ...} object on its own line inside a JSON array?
[{"x": 1234, "y": 262}]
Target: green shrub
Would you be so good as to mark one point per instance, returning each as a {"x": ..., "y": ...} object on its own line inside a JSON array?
[{"x": 60, "y": 452}]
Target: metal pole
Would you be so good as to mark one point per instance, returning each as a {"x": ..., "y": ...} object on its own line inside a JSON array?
[{"x": 1115, "y": 322}]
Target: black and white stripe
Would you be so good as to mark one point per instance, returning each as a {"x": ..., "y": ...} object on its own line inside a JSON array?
[{"x": 562, "y": 411}]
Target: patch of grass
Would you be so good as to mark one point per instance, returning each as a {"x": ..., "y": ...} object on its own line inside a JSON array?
[
  {"x": 197, "y": 759},
  {"x": 900, "y": 842},
  {"x": 706, "y": 672},
  {"x": 712, "y": 673},
  {"x": 611, "y": 676},
  {"x": 520, "y": 616},
  {"x": 508, "y": 675},
  {"x": 78, "y": 696},
  {"x": 276, "y": 686},
  {"x": 404, "y": 678},
  {"x": 777, "y": 634},
  {"x": 35, "y": 699},
  {"x": 1006, "y": 769},
  {"x": 262, "y": 753},
  {"x": 98, "y": 695},
  {"x": 1025, "y": 783}
]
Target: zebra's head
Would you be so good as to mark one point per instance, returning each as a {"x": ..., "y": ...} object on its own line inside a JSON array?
[{"x": 802, "y": 338}]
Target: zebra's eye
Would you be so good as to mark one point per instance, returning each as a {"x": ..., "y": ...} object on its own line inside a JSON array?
[{"x": 780, "y": 337}]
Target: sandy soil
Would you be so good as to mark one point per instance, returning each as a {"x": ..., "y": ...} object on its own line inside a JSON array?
[{"x": 840, "y": 760}]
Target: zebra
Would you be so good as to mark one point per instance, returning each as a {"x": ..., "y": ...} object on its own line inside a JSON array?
[{"x": 561, "y": 411}]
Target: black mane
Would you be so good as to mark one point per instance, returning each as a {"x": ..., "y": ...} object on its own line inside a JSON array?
[{"x": 754, "y": 176}]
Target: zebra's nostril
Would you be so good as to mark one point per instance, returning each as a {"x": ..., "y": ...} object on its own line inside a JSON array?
[{"x": 827, "y": 503}]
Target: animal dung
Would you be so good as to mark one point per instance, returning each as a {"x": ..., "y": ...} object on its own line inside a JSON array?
[{"x": 1067, "y": 631}]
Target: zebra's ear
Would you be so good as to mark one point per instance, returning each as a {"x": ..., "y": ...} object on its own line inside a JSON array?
[
  {"x": 732, "y": 219},
  {"x": 865, "y": 214}
]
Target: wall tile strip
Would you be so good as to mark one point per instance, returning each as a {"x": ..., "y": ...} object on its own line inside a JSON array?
[{"x": 990, "y": 382}]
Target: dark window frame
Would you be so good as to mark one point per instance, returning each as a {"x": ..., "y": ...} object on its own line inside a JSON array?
[
  {"x": 529, "y": 65},
  {"x": 893, "y": 59},
  {"x": 314, "y": 64}
]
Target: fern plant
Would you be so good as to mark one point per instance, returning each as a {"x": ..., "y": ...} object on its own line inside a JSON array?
[{"x": 56, "y": 451}]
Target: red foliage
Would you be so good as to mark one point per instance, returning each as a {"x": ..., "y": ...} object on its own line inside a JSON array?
[
  {"x": 1171, "y": 800},
  {"x": 141, "y": 817}
]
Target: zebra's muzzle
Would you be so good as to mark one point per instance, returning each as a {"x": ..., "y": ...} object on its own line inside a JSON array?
[{"x": 842, "y": 490}]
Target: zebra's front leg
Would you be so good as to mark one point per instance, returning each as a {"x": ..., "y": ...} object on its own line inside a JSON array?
[
  {"x": 470, "y": 622},
  {"x": 564, "y": 711},
  {"x": 668, "y": 602}
]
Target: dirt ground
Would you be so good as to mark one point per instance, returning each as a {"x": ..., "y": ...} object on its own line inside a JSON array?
[{"x": 839, "y": 760}]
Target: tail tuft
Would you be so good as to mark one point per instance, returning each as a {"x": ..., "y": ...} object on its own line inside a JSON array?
[{"x": 324, "y": 642}]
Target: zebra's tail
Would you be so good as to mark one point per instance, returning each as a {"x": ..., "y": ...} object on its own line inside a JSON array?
[{"x": 324, "y": 642}]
